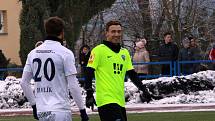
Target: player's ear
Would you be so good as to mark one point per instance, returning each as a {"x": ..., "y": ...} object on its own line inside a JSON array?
[{"x": 62, "y": 35}]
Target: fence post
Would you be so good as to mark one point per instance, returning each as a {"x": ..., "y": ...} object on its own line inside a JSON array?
[
  {"x": 179, "y": 68},
  {"x": 175, "y": 68},
  {"x": 170, "y": 69}
]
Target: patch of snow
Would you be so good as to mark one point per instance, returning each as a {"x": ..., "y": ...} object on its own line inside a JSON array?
[{"x": 11, "y": 92}]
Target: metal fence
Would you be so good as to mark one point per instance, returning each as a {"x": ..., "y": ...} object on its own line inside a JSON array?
[{"x": 175, "y": 68}]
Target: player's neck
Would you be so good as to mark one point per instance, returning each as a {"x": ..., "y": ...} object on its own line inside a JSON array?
[
  {"x": 114, "y": 47},
  {"x": 53, "y": 38}
]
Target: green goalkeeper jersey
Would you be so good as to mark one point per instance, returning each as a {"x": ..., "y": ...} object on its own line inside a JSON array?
[{"x": 110, "y": 69}]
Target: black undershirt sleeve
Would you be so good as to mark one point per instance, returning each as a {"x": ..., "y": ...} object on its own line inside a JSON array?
[
  {"x": 89, "y": 77},
  {"x": 137, "y": 82}
]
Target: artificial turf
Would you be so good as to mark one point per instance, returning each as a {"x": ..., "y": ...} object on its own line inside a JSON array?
[{"x": 166, "y": 116}]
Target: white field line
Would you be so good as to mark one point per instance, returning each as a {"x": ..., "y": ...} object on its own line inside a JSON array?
[{"x": 136, "y": 108}]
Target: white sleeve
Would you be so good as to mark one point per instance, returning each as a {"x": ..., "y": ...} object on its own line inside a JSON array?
[
  {"x": 69, "y": 64},
  {"x": 75, "y": 90},
  {"x": 26, "y": 86}
]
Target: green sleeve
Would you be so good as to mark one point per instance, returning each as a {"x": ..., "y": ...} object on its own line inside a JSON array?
[
  {"x": 129, "y": 62},
  {"x": 94, "y": 58}
]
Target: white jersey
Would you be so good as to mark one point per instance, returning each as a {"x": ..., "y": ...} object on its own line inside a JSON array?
[{"x": 50, "y": 63}]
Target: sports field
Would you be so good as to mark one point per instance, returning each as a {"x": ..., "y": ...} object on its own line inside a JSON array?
[{"x": 173, "y": 116}]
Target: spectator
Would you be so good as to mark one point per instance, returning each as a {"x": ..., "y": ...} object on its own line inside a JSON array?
[
  {"x": 193, "y": 43},
  {"x": 141, "y": 55},
  {"x": 186, "y": 54},
  {"x": 168, "y": 51},
  {"x": 65, "y": 43},
  {"x": 84, "y": 56},
  {"x": 212, "y": 55},
  {"x": 197, "y": 53}
]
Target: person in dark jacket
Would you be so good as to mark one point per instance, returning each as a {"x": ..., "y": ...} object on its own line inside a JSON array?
[
  {"x": 186, "y": 54},
  {"x": 167, "y": 52},
  {"x": 84, "y": 56},
  {"x": 197, "y": 53}
]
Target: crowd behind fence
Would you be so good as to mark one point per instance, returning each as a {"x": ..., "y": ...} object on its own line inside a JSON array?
[{"x": 175, "y": 69}]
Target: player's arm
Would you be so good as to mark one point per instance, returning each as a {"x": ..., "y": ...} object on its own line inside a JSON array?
[
  {"x": 91, "y": 67},
  {"x": 133, "y": 75},
  {"x": 26, "y": 86},
  {"x": 92, "y": 64},
  {"x": 89, "y": 77},
  {"x": 73, "y": 86},
  {"x": 90, "y": 101},
  {"x": 138, "y": 83},
  {"x": 135, "y": 79},
  {"x": 25, "y": 82},
  {"x": 75, "y": 90}
]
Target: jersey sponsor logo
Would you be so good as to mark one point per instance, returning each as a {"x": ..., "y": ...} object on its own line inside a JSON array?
[
  {"x": 91, "y": 59},
  {"x": 123, "y": 57},
  {"x": 44, "y": 51},
  {"x": 48, "y": 116},
  {"x": 117, "y": 68}
]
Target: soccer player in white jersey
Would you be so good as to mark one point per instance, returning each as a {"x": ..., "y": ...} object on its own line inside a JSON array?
[{"x": 52, "y": 66}]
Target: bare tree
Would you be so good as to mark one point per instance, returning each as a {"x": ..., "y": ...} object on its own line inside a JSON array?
[{"x": 152, "y": 18}]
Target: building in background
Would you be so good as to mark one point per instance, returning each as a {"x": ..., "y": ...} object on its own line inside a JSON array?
[{"x": 9, "y": 29}]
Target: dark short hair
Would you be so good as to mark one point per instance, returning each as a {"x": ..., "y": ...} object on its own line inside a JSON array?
[
  {"x": 167, "y": 33},
  {"x": 110, "y": 23},
  {"x": 190, "y": 38},
  {"x": 54, "y": 26},
  {"x": 85, "y": 46}
]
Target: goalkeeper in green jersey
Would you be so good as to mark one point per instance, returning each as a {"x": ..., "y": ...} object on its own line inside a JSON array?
[{"x": 110, "y": 62}]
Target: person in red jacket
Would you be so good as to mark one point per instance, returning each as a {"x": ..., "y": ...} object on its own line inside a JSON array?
[{"x": 212, "y": 55}]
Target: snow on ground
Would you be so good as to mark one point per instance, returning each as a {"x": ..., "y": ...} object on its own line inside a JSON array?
[{"x": 11, "y": 93}]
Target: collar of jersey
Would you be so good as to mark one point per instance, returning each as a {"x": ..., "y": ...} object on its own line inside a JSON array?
[
  {"x": 114, "y": 47},
  {"x": 53, "y": 39}
]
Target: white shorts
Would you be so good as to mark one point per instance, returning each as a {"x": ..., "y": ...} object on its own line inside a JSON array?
[{"x": 54, "y": 116}]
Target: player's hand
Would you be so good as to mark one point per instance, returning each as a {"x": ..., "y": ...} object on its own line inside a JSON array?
[
  {"x": 22, "y": 101},
  {"x": 90, "y": 101},
  {"x": 35, "y": 112},
  {"x": 145, "y": 96},
  {"x": 84, "y": 116}
]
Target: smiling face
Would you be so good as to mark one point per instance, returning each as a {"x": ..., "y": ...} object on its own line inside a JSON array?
[{"x": 114, "y": 34}]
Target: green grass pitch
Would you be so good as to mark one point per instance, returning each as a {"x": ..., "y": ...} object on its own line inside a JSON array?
[{"x": 170, "y": 116}]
